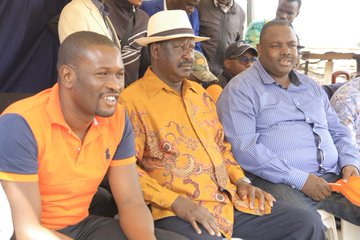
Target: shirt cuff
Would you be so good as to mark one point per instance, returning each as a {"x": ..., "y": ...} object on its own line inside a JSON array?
[
  {"x": 346, "y": 162},
  {"x": 236, "y": 175},
  {"x": 15, "y": 177},
  {"x": 297, "y": 178},
  {"x": 164, "y": 198}
]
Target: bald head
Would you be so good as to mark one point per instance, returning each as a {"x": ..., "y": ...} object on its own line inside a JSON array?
[{"x": 74, "y": 46}]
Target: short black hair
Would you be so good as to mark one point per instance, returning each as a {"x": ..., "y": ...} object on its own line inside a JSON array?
[
  {"x": 298, "y": 1},
  {"x": 76, "y": 43},
  {"x": 272, "y": 23}
]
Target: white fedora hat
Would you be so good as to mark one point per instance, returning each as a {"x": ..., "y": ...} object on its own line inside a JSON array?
[{"x": 166, "y": 25}]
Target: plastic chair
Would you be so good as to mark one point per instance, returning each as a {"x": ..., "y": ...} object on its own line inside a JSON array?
[
  {"x": 329, "y": 222},
  {"x": 349, "y": 231}
]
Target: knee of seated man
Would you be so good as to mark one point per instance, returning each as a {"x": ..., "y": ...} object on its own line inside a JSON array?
[{"x": 310, "y": 220}]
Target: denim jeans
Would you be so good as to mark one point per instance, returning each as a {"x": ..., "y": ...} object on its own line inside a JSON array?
[{"x": 336, "y": 204}]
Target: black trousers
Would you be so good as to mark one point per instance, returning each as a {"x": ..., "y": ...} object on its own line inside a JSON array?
[
  {"x": 99, "y": 228},
  {"x": 285, "y": 222}
]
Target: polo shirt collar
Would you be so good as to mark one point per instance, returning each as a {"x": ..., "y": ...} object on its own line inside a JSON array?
[
  {"x": 56, "y": 116},
  {"x": 267, "y": 79},
  {"x": 153, "y": 84}
]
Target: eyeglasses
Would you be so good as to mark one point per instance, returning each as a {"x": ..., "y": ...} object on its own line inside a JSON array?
[{"x": 246, "y": 60}]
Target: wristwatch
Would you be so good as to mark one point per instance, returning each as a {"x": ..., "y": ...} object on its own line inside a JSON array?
[{"x": 243, "y": 179}]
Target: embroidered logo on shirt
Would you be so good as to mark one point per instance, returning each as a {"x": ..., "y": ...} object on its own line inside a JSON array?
[{"x": 107, "y": 154}]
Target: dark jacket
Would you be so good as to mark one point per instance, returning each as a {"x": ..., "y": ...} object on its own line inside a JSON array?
[
  {"x": 135, "y": 57},
  {"x": 222, "y": 28}
]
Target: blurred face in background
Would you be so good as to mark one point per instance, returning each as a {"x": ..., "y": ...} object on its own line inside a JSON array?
[
  {"x": 225, "y": 2},
  {"x": 186, "y": 5},
  {"x": 287, "y": 10},
  {"x": 240, "y": 64}
]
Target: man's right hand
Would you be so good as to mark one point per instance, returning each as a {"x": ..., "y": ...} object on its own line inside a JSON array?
[
  {"x": 194, "y": 213},
  {"x": 316, "y": 188}
]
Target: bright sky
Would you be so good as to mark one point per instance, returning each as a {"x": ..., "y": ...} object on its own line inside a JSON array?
[{"x": 321, "y": 23}]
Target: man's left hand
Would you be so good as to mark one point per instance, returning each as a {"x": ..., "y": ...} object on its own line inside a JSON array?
[
  {"x": 246, "y": 190},
  {"x": 349, "y": 171}
]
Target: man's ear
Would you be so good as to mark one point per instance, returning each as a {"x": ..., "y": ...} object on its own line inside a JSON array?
[
  {"x": 259, "y": 49},
  {"x": 227, "y": 63},
  {"x": 67, "y": 76},
  {"x": 154, "y": 50}
]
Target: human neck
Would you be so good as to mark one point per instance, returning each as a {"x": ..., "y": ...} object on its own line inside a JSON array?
[
  {"x": 170, "y": 4},
  {"x": 174, "y": 85},
  {"x": 283, "y": 81},
  {"x": 78, "y": 123}
]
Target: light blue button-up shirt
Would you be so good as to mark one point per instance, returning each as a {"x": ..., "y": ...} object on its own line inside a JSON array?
[{"x": 280, "y": 134}]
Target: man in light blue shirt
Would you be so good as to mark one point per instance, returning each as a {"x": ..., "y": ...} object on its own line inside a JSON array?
[{"x": 284, "y": 131}]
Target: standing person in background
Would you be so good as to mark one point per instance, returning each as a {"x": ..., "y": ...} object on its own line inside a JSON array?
[
  {"x": 189, "y": 6},
  {"x": 130, "y": 23},
  {"x": 287, "y": 10},
  {"x": 86, "y": 15},
  {"x": 239, "y": 56},
  {"x": 222, "y": 21}
]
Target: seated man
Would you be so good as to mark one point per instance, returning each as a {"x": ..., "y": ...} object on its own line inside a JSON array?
[
  {"x": 187, "y": 172},
  {"x": 346, "y": 102},
  {"x": 284, "y": 131},
  {"x": 57, "y": 146},
  {"x": 239, "y": 56}
]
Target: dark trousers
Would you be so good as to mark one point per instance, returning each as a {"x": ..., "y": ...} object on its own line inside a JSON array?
[
  {"x": 103, "y": 204},
  {"x": 99, "y": 228},
  {"x": 285, "y": 222}
]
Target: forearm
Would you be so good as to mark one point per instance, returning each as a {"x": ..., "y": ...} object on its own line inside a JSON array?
[{"x": 136, "y": 221}]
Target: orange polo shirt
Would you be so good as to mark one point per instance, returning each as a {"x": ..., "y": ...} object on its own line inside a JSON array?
[
  {"x": 36, "y": 144},
  {"x": 180, "y": 148}
]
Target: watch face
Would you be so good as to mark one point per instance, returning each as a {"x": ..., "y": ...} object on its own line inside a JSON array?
[{"x": 245, "y": 179}]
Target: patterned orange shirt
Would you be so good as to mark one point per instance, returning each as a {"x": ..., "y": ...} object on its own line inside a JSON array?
[{"x": 180, "y": 149}]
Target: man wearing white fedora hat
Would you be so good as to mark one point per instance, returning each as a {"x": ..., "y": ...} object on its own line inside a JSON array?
[{"x": 187, "y": 172}]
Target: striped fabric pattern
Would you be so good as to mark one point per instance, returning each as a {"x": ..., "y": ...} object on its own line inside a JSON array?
[{"x": 280, "y": 134}]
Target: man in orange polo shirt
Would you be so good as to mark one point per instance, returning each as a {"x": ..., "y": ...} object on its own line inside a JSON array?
[
  {"x": 188, "y": 174},
  {"x": 56, "y": 147}
]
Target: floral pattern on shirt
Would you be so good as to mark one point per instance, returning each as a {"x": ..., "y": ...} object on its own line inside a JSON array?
[{"x": 180, "y": 149}]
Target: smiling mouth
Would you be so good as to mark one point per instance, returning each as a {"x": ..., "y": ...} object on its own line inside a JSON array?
[{"x": 110, "y": 99}]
